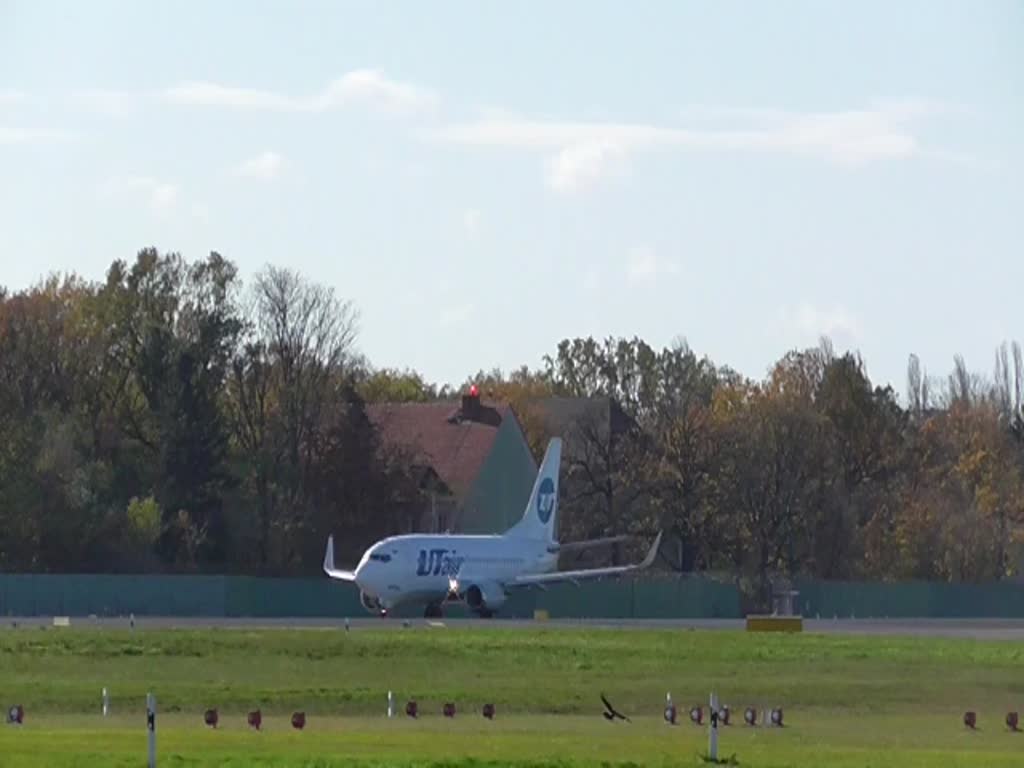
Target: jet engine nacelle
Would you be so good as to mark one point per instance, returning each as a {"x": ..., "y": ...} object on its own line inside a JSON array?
[
  {"x": 369, "y": 602},
  {"x": 485, "y": 598}
]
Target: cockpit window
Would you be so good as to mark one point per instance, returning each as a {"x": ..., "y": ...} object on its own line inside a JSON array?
[{"x": 381, "y": 558}]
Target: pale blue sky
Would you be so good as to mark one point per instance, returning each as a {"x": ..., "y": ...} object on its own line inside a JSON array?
[{"x": 483, "y": 183}]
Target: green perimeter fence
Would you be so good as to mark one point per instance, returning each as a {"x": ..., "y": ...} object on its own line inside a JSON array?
[
  {"x": 910, "y": 600},
  {"x": 653, "y": 597},
  {"x": 239, "y": 596}
]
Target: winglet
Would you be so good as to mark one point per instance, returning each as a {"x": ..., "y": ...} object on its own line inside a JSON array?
[
  {"x": 329, "y": 554},
  {"x": 329, "y": 568},
  {"x": 653, "y": 553}
]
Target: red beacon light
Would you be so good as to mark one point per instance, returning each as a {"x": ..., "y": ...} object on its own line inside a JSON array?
[{"x": 473, "y": 391}]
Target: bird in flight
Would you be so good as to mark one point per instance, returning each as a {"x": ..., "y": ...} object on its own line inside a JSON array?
[{"x": 611, "y": 712}]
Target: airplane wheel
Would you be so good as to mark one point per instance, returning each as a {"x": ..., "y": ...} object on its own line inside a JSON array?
[{"x": 486, "y": 614}]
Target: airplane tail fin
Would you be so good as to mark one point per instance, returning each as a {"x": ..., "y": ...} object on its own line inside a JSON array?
[{"x": 541, "y": 515}]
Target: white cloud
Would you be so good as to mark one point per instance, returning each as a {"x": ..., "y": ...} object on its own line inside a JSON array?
[
  {"x": 505, "y": 130},
  {"x": 266, "y": 165},
  {"x": 591, "y": 282},
  {"x": 13, "y": 135},
  {"x": 583, "y": 152},
  {"x": 582, "y": 165},
  {"x": 471, "y": 220},
  {"x": 216, "y": 95},
  {"x": 10, "y": 97},
  {"x": 161, "y": 196},
  {"x": 107, "y": 101},
  {"x": 457, "y": 314},
  {"x": 370, "y": 87},
  {"x": 643, "y": 263},
  {"x": 813, "y": 322},
  {"x": 364, "y": 87}
]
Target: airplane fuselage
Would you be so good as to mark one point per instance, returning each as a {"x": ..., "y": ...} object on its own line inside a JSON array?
[
  {"x": 480, "y": 570},
  {"x": 425, "y": 567}
]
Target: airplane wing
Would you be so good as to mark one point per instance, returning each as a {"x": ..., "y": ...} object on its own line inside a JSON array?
[
  {"x": 592, "y": 573},
  {"x": 329, "y": 568}
]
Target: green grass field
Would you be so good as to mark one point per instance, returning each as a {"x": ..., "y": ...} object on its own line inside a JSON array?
[{"x": 865, "y": 701}]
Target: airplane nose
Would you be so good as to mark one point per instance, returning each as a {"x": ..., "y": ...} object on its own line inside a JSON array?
[{"x": 364, "y": 574}]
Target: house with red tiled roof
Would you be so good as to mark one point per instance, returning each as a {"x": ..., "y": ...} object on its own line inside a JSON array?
[{"x": 473, "y": 455}]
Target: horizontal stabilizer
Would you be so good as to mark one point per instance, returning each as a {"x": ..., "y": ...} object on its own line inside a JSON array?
[
  {"x": 578, "y": 546},
  {"x": 329, "y": 568}
]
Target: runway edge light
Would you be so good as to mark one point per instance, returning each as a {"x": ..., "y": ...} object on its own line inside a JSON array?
[
  {"x": 151, "y": 727},
  {"x": 713, "y": 728}
]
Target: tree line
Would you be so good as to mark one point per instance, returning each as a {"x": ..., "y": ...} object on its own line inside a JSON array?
[{"x": 170, "y": 418}]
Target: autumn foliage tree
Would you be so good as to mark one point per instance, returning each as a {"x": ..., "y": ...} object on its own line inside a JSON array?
[{"x": 173, "y": 417}]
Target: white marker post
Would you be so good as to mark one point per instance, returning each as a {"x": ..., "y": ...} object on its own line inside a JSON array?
[
  {"x": 391, "y": 704},
  {"x": 713, "y": 729},
  {"x": 106, "y": 702},
  {"x": 151, "y": 727}
]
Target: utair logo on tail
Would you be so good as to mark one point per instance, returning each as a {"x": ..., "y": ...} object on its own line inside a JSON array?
[
  {"x": 545, "y": 499},
  {"x": 432, "y": 569}
]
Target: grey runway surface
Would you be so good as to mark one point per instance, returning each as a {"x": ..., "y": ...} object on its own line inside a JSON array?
[{"x": 980, "y": 629}]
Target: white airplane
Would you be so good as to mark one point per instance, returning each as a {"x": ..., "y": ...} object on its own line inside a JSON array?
[{"x": 479, "y": 569}]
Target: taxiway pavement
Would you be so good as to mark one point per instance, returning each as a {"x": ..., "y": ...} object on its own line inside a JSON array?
[{"x": 981, "y": 629}]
